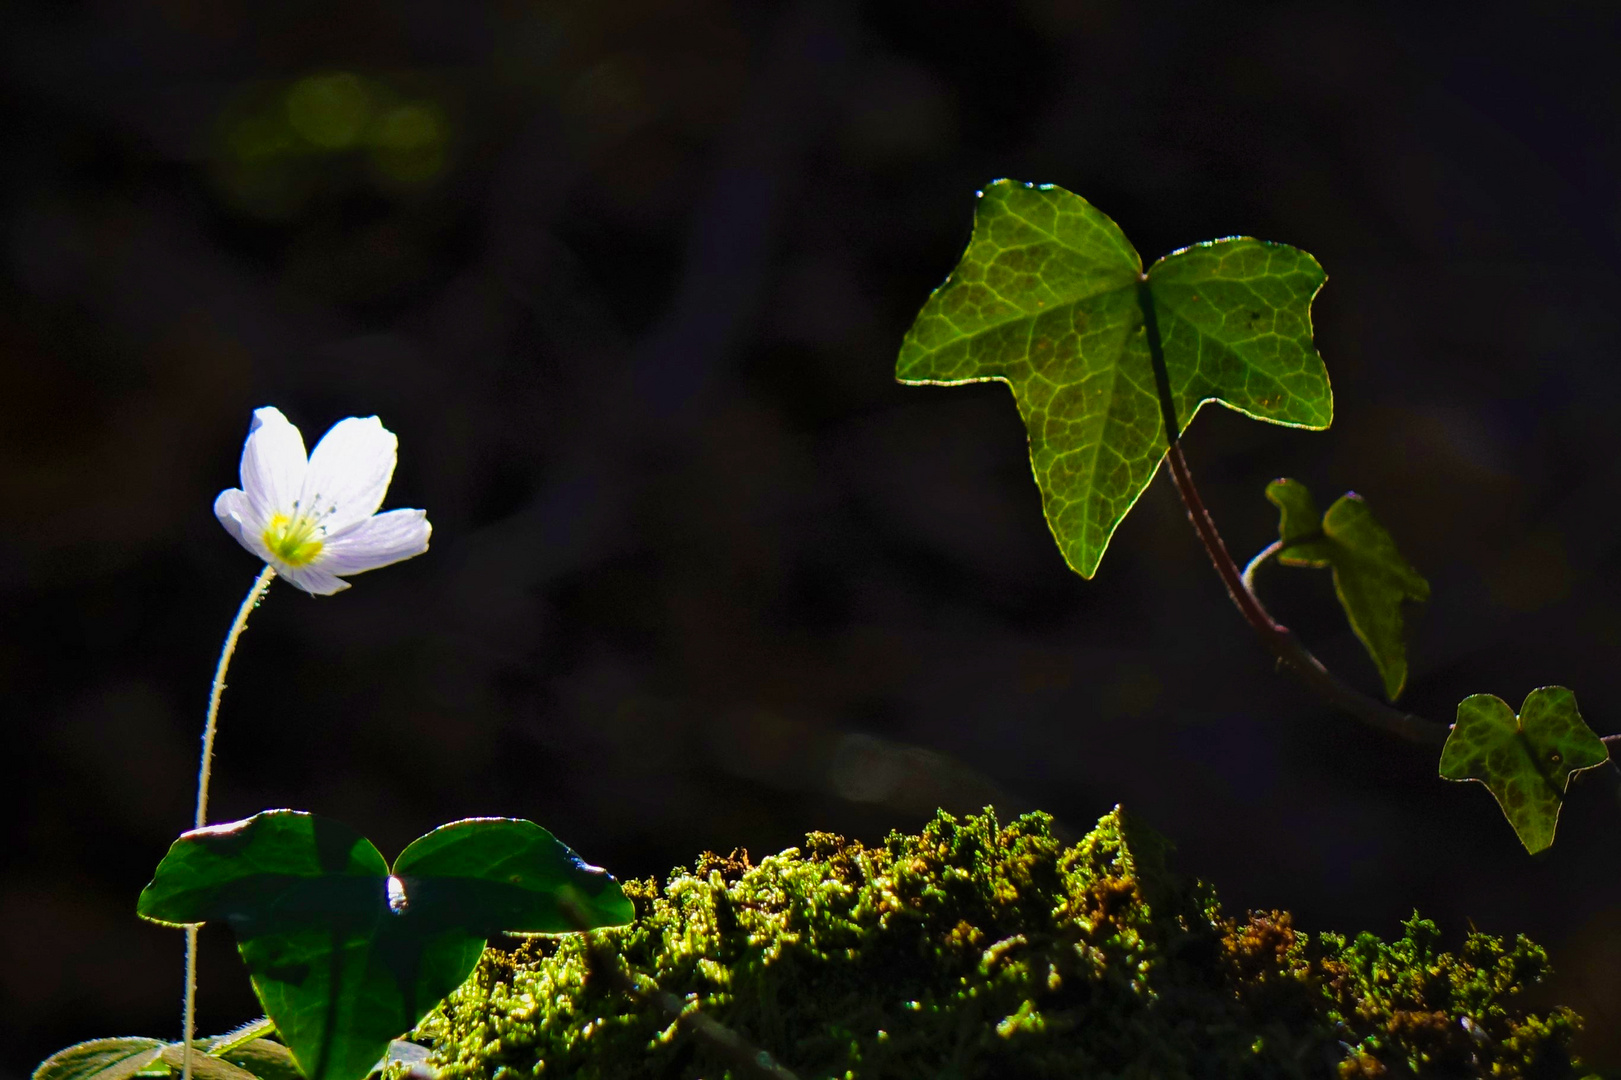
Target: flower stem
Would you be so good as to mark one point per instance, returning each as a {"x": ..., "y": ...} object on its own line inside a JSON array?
[{"x": 205, "y": 770}]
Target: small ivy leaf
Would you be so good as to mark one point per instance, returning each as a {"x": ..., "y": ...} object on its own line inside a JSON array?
[
  {"x": 1049, "y": 298},
  {"x": 1371, "y": 578},
  {"x": 1525, "y": 761},
  {"x": 344, "y": 955},
  {"x": 1299, "y": 520},
  {"x": 101, "y": 1059}
]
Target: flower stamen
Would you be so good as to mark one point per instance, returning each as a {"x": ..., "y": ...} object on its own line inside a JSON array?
[{"x": 295, "y": 541}]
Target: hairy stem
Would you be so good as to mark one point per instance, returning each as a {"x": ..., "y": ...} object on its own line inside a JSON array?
[
  {"x": 205, "y": 765},
  {"x": 205, "y": 770},
  {"x": 243, "y": 1035}
]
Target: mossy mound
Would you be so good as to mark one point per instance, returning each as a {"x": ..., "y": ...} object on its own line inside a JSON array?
[{"x": 977, "y": 951}]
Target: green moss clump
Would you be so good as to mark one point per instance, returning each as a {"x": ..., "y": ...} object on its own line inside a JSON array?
[{"x": 976, "y": 951}]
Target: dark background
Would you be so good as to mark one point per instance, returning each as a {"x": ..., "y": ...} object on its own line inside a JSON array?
[{"x": 628, "y": 279}]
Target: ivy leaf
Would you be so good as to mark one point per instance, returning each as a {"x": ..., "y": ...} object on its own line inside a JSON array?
[
  {"x": 345, "y": 955},
  {"x": 1525, "y": 761},
  {"x": 1050, "y": 298},
  {"x": 1370, "y": 576}
]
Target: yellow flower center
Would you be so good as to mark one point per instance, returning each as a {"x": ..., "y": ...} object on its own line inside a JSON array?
[{"x": 295, "y": 541}]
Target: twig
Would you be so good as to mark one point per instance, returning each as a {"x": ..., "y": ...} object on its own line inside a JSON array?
[
  {"x": 1248, "y": 576},
  {"x": 1283, "y": 644},
  {"x": 1273, "y": 635},
  {"x": 1240, "y": 586}
]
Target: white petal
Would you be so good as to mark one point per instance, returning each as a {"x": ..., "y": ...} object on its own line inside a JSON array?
[
  {"x": 236, "y": 513},
  {"x": 386, "y": 538},
  {"x": 312, "y": 579},
  {"x": 349, "y": 473},
  {"x": 273, "y": 463}
]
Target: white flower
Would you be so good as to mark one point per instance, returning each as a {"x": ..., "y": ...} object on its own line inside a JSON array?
[{"x": 315, "y": 518}]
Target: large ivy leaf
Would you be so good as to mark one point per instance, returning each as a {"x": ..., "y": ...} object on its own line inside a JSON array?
[
  {"x": 1370, "y": 576},
  {"x": 1526, "y": 761},
  {"x": 1050, "y": 298},
  {"x": 345, "y": 955}
]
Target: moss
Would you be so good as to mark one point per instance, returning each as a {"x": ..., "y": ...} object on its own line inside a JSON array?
[{"x": 976, "y": 951}]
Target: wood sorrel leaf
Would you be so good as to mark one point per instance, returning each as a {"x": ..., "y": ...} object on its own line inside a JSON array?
[
  {"x": 1050, "y": 299},
  {"x": 203, "y": 1066},
  {"x": 1370, "y": 576},
  {"x": 346, "y": 956},
  {"x": 101, "y": 1059},
  {"x": 1526, "y": 760},
  {"x": 225, "y": 1057},
  {"x": 263, "y": 1058}
]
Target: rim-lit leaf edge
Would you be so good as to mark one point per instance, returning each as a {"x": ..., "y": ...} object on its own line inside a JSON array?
[
  {"x": 1531, "y": 796},
  {"x": 125, "y": 1056},
  {"x": 101, "y": 1059},
  {"x": 1373, "y": 581},
  {"x": 430, "y": 922},
  {"x": 1049, "y": 297}
]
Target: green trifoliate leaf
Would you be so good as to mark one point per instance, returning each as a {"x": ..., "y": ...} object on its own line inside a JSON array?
[
  {"x": 1050, "y": 299},
  {"x": 1526, "y": 760},
  {"x": 1370, "y": 576},
  {"x": 203, "y": 1066},
  {"x": 263, "y": 1058},
  {"x": 239, "y": 1055},
  {"x": 101, "y": 1059},
  {"x": 345, "y": 955}
]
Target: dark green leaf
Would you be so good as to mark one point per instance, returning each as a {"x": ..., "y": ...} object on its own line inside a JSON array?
[
  {"x": 1047, "y": 300},
  {"x": 345, "y": 957},
  {"x": 1526, "y": 760},
  {"x": 101, "y": 1059},
  {"x": 1370, "y": 576},
  {"x": 503, "y": 874}
]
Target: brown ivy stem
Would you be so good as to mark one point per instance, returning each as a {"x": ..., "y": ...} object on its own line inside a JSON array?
[
  {"x": 1248, "y": 576},
  {"x": 1276, "y": 637}
]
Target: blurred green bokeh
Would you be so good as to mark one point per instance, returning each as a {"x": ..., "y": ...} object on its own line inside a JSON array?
[{"x": 279, "y": 144}]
